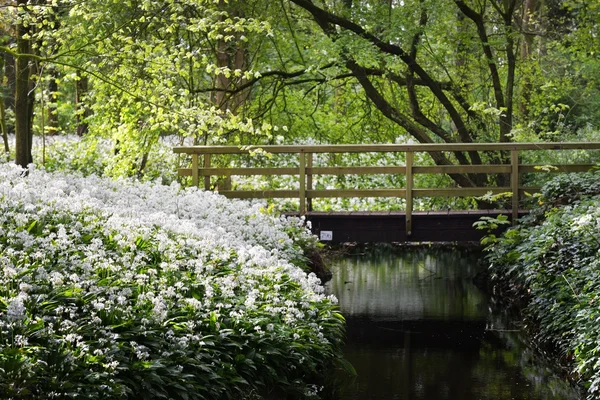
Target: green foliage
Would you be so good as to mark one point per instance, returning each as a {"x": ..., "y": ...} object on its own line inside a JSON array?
[
  {"x": 490, "y": 224},
  {"x": 87, "y": 156},
  {"x": 569, "y": 188},
  {"x": 250, "y": 72},
  {"x": 551, "y": 262},
  {"x": 91, "y": 155}
]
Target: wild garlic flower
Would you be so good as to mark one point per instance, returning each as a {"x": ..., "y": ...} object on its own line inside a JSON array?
[
  {"x": 16, "y": 309},
  {"x": 88, "y": 263}
]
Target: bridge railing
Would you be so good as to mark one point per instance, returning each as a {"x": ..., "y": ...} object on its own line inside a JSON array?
[{"x": 202, "y": 167}]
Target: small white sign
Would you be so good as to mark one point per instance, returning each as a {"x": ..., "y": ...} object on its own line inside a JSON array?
[{"x": 326, "y": 235}]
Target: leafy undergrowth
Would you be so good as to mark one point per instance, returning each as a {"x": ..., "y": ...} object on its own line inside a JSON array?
[
  {"x": 114, "y": 289},
  {"x": 552, "y": 262}
]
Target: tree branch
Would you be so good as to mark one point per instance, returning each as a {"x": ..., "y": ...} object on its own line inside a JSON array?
[
  {"x": 393, "y": 114},
  {"x": 487, "y": 50},
  {"x": 324, "y": 18},
  {"x": 416, "y": 107},
  {"x": 251, "y": 82}
]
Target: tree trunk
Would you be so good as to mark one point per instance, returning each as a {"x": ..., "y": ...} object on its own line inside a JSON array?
[
  {"x": 11, "y": 84},
  {"x": 53, "y": 127},
  {"x": 3, "y": 127},
  {"x": 230, "y": 55},
  {"x": 33, "y": 70},
  {"x": 81, "y": 89},
  {"x": 222, "y": 82},
  {"x": 22, "y": 109},
  {"x": 530, "y": 7},
  {"x": 2, "y": 109}
]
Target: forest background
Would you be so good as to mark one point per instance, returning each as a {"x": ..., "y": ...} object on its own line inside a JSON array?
[{"x": 295, "y": 71}]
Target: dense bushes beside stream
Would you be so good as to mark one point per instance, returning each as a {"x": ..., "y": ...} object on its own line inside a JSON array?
[
  {"x": 551, "y": 262},
  {"x": 116, "y": 290}
]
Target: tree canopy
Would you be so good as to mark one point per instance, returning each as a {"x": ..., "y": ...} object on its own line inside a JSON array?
[{"x": 251, "y": 72}]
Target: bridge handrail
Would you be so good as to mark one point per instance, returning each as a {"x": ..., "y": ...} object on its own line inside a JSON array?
[
  {"x": 385, "y": 148},
  {"x": 305, "y": 170}
]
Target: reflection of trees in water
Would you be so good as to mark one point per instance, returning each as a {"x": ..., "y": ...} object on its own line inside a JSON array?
[
  {"x": 414, "y": 284},
  {"x": 509, "y": 346},
  {"x": 490, "y": 373},
  {"x": 419, "y": 329}
]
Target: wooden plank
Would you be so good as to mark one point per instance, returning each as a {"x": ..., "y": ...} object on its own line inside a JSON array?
[
  {"x": 206, "y": 166},
  {"x": 309, "y": 179},
  {"x": 437, "y": 226},
  {"x": 523, "y": 168},
  {"x": 355, "y": 170},
  {"x": 462, "y": 169},
  {"x": 382, "y": 148},
  {"x": 241, "y": 171},
  {"x": 302, "y": 183},
  {"x": 363, "y": 193},
  {"x": 356, "y": 193},
  {"x": 458, "y": 192},
  {"x": 409, "y": 192},
  {"x": 195, "y": 170},
  {"x": 514, "y": 183}
]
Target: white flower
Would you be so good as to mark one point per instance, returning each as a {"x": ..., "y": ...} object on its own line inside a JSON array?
[
  {"x": 21, "y": 341},
  {"x": 16, "y": 309},
  {"x": 24, "y": 287}
]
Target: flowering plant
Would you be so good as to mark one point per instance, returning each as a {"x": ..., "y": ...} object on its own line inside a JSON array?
[{"x": 116, "y": 289}]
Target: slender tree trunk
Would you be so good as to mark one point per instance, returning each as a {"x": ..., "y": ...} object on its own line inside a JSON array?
[
  {"x": 529, "y": 9},
  {"x": 52, "y": 95},
  {"x": 222, "y": 82},
  {"x": 3, "y": 127},
  {"x": 11, "y": 84},
  {"x": 81, "y": 89},
  {"x": 2, "y": 109},
  {"x": 22, "y": 109},
  {"x": 143, "y": 164},
  {"x": 33, "y": 70}
]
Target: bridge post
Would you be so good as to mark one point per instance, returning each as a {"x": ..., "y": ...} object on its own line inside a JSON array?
[
  {"x": 409, "y": 191},
  {"x": 302, "y": 178},
  {"x": 207, "y": 177},
  {"x": 309, "y": 180},
  {"x": 514, "y": 183},
  {"x": 195, "y": 170}
]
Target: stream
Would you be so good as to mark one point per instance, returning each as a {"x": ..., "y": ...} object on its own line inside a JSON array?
[{"x": 419, "y": 329}]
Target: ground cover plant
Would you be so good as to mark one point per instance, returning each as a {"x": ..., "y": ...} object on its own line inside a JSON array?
[
  {"x": 117, "y": 289},
  {"x": 551, "y": 263}
]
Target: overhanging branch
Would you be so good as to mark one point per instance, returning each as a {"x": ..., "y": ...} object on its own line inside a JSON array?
[{"x": 325, "y": 18}]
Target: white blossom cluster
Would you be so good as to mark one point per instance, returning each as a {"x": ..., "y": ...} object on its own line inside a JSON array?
[{"x": 112, "y": 277}]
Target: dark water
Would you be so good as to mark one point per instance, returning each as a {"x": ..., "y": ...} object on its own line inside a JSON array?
[{"x": 419, "y": 329}]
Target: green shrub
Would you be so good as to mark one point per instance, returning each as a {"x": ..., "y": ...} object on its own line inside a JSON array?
[{"x": 551, "y": 262}]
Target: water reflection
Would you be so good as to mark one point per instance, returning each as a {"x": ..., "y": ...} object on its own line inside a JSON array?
[
  {"x": 418, "y": 328},
  {"x": 416, "y": 285}
]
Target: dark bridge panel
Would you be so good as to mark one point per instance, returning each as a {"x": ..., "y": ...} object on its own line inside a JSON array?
[{"x": 365, "y": 227}]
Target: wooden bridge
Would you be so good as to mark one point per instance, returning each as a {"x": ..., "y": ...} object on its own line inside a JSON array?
[{"x": 392, "y": 226}]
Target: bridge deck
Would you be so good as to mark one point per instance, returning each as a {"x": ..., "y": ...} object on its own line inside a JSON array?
[{"x": 389, "y": 226}]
